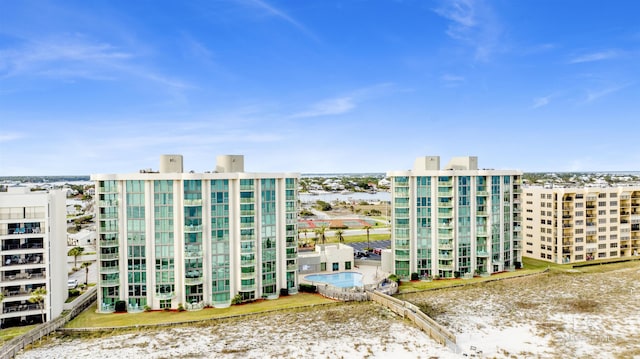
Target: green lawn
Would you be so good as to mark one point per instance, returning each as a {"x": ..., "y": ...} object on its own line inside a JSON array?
[
  {"x": 10, "y": 333},
  {"x": 530, "y": 266},
  {"x": 90, "y": 319}
]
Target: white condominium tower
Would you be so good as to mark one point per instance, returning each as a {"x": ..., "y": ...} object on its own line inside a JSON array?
[
  {"x": 33, "y": 231},
  {"x": 567, "y": 225},
  {"x": 455, "y": 221},
  {"x": 168, "y": 238}
]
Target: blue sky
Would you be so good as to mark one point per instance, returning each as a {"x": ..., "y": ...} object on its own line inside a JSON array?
[{"x": 318, "y": 86}]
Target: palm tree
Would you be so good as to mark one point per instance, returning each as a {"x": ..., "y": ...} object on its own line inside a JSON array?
[
  {"x": 339, "y": 233},
  {"x": 75, "y": 252},
  {"x": 37, "y": 296},
  {"x": 86, "y": 265},
  {"x": 317, "y": 233},
  {"x": 367, "y": 228},
  {"x": 322, "y": 229}
]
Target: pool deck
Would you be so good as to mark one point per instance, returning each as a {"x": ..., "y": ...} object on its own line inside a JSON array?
[{"x": 371, "y": 274}]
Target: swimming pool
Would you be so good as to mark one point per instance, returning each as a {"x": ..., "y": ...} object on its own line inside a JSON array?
[{"x": 342, "y": 280}]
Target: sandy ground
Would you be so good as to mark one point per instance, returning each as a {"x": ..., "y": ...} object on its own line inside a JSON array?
[
  {"x": 569, "y": 315},
  {"x": 362, "y": 330}
]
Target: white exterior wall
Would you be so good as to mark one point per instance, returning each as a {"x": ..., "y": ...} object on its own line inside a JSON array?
[
  {"x": 235, "y": 278},
  {"x": 441, "y": 264},
  {"x": 49, "y": 210}
]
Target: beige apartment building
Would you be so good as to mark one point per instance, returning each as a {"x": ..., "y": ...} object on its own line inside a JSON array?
[{"x": 567, "y": 225}]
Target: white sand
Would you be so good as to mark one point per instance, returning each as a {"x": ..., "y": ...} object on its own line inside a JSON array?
[{"x": 547, "y": 316}]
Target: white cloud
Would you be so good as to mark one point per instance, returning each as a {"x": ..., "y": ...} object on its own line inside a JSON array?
[
  {"x": 345, "y": 103},
  {"x": 10, "y": 136},
  {"x": 452, "y": 80},
  {"x": 75, "y": 57},
  {"x": 596, "y": 56},
  {"x": 334, "y": 106},
  {"x": 541, "y": 101},
  {"x": 473, "y": 23},
  {"x": 594, "y": 95},
  {"x": 272, "y": 10}
]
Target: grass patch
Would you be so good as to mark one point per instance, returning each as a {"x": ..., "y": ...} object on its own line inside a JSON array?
[
  {"x": 10, "y": 333},
  {"x": 90, "y": 319},
  {"x": 406, "y": 286},
  {"x": 581, "y": 305}
]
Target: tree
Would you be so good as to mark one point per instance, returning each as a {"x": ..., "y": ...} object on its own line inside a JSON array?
[
  {"x": 339, "y": 233},
  {"x": 75, "y": 252},
  {"x": 321, "y": 232},
  {"x": 367, "y": 228},
  {"x": 38, "y": 296},
  {"x": 86, "y": 265}
]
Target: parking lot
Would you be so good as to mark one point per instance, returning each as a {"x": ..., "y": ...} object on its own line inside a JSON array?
[{"x": 374, "y": 244}]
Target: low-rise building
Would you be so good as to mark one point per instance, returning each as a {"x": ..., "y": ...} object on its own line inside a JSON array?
[{"x": 333, "y": 257}]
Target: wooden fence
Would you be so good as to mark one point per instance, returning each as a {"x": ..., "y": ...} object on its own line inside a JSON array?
[
  {"x": 407, "y": 310},
  {"x": 12, "y": 347}
]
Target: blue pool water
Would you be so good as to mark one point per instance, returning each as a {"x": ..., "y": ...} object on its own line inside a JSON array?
[{"x": 342, "y": 280}]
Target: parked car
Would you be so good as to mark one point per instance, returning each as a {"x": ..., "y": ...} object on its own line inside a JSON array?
[
  {"x": 377, "y": 251},
  {"x": 72, "y": 283},
  {"x": 360, "y": 254}
]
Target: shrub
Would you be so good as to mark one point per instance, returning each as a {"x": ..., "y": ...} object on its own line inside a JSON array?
[
  {"x": 308, "y": 288},
  {"x": 414, "y": 276},
  {"x": 237, "y": 299},
  {"x": 394, "y": 278},
  {"x": 121, "y": 306},
  {"x": 74, "y": 292},
  {"x": 147, "y": 308},
  {"x": 180, "y": 307},
  {"x": 339, "y": 227}
]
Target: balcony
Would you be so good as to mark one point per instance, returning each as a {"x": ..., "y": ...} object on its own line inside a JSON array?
[
  {"x": 193, "y": 228},
  {"x": 108, "y": 242},
  {"x": 402, "y": 257},
  {"x": 109, "y": 270},
  {"x": 291, "y": 267},
  {"x": 445, "y": 246},
  {"x": 193, "y": 280},
  {"x": 192, "y": 254},
  {"x": 482, "y": 193},
  {"x": 445, "y": 193},
  {"x": 20, "y": 308},
  {"x": 167, "y": 295},
  {"x": 23, "y": 277},
  {"x": 109, "y": 282},
  {"x": 112, "y": 203},
  {"x": 193, "y": 202},
  {"x": 482, "y": 253},
  {"x": 247, "y": 275},
  {"x": 109, "y": 256},
  {"x": 445, "y": 267}
]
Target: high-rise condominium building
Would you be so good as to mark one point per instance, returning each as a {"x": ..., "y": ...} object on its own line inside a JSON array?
[
  {"x": 168, "y": 238},
  {"x": 567, "y": 225},
  {"x": 34, "y": 240},
  {"x": 459, "y": 220}
]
